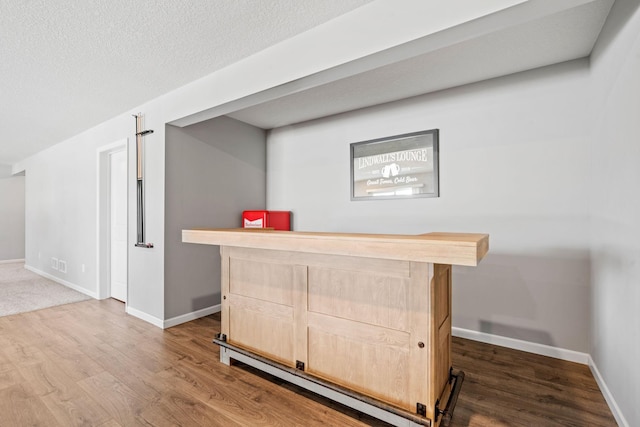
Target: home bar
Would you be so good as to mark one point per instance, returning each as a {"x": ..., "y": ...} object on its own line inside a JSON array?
[{"x": 363, "y": 319}]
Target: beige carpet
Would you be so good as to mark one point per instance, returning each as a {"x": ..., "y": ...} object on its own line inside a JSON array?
[{"x": 21, "y": 291}]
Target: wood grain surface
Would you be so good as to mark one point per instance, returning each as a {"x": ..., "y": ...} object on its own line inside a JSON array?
[
  {"x": 90, "y": 364},
  {"x": 366, "y": 329},
  {"x": 441, "y": 248}
]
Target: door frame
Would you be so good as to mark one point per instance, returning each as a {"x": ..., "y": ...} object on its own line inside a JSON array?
[{"x": 103, "y": 238}]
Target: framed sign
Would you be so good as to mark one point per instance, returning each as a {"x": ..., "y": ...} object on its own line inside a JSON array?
[{"x": 402, "y": 166}]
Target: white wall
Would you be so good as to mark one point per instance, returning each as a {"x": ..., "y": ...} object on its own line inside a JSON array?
[
  {"x": 214, "y": 171},
  {"x": 514, "y": 163},
  {"x": 11, "y": 218},
  {"x": 615, "y": 207},
  {"x": 61, "y": 208},
  {"x": 5, "y": 171}
]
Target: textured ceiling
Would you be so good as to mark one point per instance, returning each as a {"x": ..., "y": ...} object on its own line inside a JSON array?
[{"x": 68, "y": 65}]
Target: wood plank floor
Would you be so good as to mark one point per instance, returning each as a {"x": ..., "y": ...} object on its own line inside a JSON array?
[{"x": 90, "y": 364}]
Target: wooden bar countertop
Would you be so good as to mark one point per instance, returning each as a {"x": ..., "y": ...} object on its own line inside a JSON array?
[{"x": 440, "y": 248}]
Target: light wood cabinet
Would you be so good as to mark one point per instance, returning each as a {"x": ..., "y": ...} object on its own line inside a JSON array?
[{"x": 368, "y": 313}]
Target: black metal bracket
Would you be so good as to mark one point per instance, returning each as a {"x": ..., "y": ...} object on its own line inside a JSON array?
[
  {"x": 221, "y": 337},
  {"x": 299, "y": 365},
  {"x": 421, "y": 409},
  {"x": 437, "y": 411},
  {"x": 447, "y": 412}
]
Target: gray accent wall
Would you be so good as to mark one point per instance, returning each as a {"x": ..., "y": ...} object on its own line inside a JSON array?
[
  {"x": 514, "y": 163},
  {"x": 615, "y": 208},
  {"x": 12, "y": 218},
  {"x": 214, "y": 170}
]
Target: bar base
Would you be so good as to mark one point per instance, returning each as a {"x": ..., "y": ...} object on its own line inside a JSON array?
[{"x": 377, "y": 409}]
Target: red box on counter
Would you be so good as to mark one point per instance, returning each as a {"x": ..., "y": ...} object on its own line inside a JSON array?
[{"x": 278, "y": 220}]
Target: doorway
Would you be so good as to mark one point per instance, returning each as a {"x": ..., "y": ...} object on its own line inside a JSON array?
[
  {"x": 118, "y": 225},
  {"x": 113, "y": 221}
]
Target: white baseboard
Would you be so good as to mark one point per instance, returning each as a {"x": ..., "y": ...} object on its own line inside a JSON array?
[
  {"x": 144, "y": 316},
  {"x": 530, "y": 347},
  {"x": 11, "y": 261},
  {"x": 613, "y": 405},
  {"x": 174, "y": 320},
  {"x": 192, "y": 316},
  {"x": 62, "y": 282}
]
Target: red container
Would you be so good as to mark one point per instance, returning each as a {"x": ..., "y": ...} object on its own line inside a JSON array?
[{"x": 278, "y": 220}]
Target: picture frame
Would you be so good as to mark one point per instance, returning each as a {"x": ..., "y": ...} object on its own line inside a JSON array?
[{"x": 396, "y": 167}]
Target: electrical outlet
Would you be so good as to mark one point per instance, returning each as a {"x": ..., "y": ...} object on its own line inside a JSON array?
[
  {"x": 54, "y": 263},
  {"x": 62, "y": 266}
]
